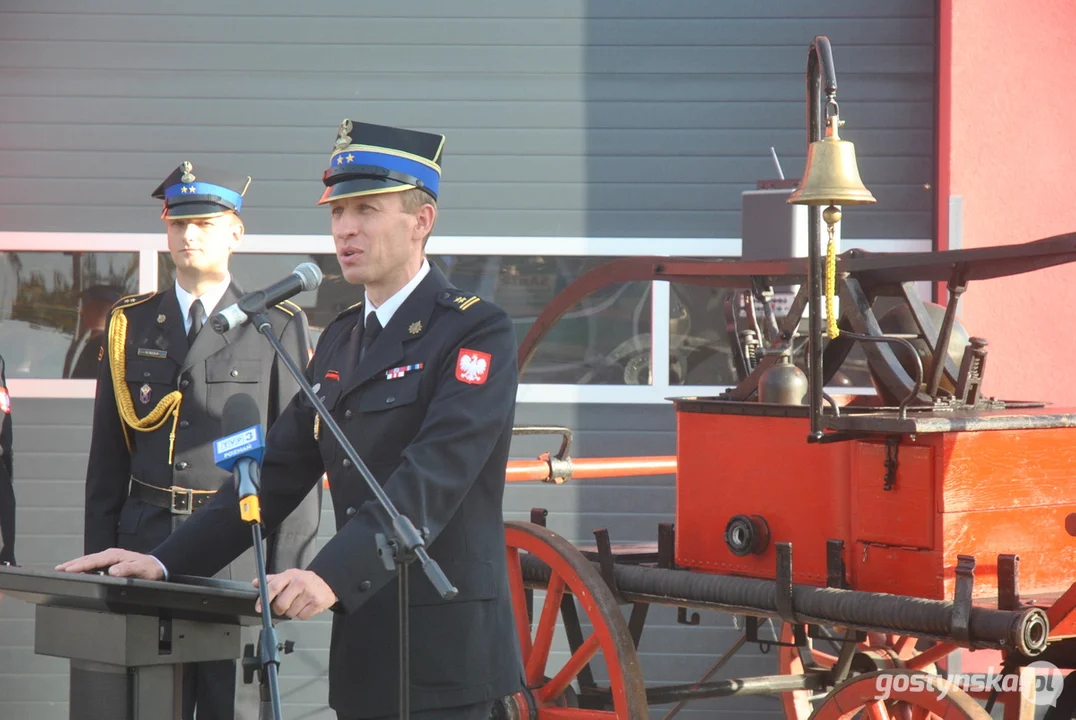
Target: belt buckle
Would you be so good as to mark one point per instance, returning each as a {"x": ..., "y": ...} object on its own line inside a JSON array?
[{"x": 183, "y": 495}]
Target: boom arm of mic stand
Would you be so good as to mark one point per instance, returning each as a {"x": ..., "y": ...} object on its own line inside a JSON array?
[{"x": 410, "y": 541}]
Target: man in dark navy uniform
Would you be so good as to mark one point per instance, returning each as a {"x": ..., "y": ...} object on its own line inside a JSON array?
[
  {"x": 7, "y": 475},
  {"x": 422, "y": 379},
  {"x": 163, "y": 379}
]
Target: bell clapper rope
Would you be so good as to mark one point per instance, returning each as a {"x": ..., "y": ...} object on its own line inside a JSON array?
[{"x": 832, "y": 216}]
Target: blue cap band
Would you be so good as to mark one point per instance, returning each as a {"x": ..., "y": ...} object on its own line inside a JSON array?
[
  {"x": 200, "y": 188},
  {"x": 430, "y": 178}
]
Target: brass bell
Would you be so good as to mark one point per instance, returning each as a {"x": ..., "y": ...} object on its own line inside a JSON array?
[{"x": 831, "y": 176}]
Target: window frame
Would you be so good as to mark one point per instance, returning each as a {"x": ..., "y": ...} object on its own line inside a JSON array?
[{"x": 148, "y": 245}]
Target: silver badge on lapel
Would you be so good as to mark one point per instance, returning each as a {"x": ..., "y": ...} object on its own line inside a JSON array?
[{"x": 144, "y": 394}]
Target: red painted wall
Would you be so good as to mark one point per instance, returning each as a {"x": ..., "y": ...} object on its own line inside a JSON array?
[{"x": 1007, "y": 85}]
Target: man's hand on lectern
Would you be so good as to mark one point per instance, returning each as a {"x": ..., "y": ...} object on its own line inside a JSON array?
[{"x": 120, "y": 563}]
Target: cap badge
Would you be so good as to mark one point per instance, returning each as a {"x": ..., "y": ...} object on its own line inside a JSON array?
[
  {"x": 343, "y": 139},
  {"x": 187, "y": 177}
]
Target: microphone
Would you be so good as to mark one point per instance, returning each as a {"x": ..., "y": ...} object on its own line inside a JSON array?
[
  {"x": 304, "y": 277},
  {"x": 240, "y": 451}
]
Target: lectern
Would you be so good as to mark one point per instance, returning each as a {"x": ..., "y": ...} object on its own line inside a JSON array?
[{"x": 128, "y": 639}]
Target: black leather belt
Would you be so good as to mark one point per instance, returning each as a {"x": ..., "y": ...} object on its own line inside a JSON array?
[{"x": 180, "y": 500}]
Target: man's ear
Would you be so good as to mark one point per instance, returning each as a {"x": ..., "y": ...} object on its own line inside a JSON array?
[
  {"x": 238, "y": 230},
  {"x": 425, "y": 218}
]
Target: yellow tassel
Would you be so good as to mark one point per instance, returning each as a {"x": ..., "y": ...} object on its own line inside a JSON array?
[
  {"x": 831, "y": 287},
  {"x": 169, "y": 404}
]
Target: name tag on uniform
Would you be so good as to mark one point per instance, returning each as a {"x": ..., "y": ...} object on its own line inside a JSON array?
[
  {"x": 401, "y": 371},
  {"x": 150, "y": 352}
]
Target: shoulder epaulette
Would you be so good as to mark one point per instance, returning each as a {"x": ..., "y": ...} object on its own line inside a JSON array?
[
  {"x": 289, "y": 307},
  {"x": 459, "y": 300},
  {"x": 349, "y": 310},
  {"x": 132, "y": 300}
]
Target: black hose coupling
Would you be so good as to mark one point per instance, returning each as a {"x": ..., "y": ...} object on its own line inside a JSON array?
[{"x": 746, "y": 535}]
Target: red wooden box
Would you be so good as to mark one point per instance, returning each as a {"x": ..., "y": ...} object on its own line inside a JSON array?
[{"x": 981, "y": 493}]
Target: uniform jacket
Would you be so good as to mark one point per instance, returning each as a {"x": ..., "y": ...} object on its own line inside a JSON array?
[
  {"x": 429, "y": 410},
  {"x": 7, "y": 473},
  {"x": 158, "y": 370}
]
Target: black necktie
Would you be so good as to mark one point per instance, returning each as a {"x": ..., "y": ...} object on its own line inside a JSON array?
[
  {"x": 370, "y": 333},
  {"x": 197, "y": 320}
]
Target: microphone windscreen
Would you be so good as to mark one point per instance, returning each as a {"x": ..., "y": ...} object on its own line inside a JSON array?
[
  {"x": 240, "y": 412},
  {"x": 309, "y": 275}
]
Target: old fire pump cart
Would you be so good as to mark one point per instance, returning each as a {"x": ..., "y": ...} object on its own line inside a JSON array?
[{"x": 935, "y": 520}]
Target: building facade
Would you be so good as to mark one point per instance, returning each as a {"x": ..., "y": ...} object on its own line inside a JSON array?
[{"x": 577, "y": 131}]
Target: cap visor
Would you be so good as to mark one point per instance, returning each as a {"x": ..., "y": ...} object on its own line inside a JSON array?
[{"x": 362, "y": 186}]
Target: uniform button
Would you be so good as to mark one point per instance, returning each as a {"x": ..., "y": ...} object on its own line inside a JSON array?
[
  {"x": 184, "y": 423},
  {"x": 184, "y": 383},
  {"x": 351, "y": 512},
  {"x": 390, "y": 399},
  {"x": 347, "y": 463},
  {"x": 145, "y": 374},
  {"x": 347, "y": 414},
  {"x": 364, "y": 585},
  {"x": 182, "y": 465},
  {"x": 235, "y": 373}
]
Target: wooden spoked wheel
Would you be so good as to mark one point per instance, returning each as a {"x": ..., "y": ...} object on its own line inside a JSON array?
[
  {"x": 878, "y": 651},
  {"x": 900, "y": 694},
  {"x": 570, "y": 576}
]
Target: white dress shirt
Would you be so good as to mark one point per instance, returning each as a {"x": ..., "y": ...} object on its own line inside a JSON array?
[
  {"x": 390, "y": 306},
  {"x": 210, "y": 300}
]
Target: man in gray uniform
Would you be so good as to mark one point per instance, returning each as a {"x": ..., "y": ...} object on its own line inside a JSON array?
[{"x": 163, "y": 380}]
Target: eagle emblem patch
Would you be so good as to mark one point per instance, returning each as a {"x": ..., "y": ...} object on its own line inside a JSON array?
[{"x": 472, "y": 366}]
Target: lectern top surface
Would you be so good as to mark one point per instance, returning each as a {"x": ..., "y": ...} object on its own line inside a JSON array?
[{"x": 195, "y": 598}]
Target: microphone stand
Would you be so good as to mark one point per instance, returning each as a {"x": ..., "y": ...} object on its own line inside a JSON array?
[
  {"x": 268, "y": 650},
  {"x": 406, "y": 544}
]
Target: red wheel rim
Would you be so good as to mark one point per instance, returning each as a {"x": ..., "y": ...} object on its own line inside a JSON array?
[
  {"x": 890, "y": 650},
  {"x": 571, "y": 572},
  {"x": 893, "y": 694}
]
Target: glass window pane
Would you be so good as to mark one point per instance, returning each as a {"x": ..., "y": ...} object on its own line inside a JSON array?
[
  {"x": 603, "y": 340},
  {"x": 703, "y": 325},
  {"x": 254, "y": 271},
  {"x": 53, "y": 308}
]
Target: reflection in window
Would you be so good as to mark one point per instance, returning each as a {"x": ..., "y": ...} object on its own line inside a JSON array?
[
  {"x": 704, "y": 323},
  {"x": 603, "y": 340},
  {"x": 53, "y": 309},
  {"x": 254, "y": 271}
]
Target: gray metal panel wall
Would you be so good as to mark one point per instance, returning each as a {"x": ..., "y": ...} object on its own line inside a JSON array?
[{"x": 567, "y": 117}]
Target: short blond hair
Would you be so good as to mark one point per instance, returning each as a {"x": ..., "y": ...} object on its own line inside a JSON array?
[
  {"x": 411, "y": 200},
  {"x": 414, "y": 198}
]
